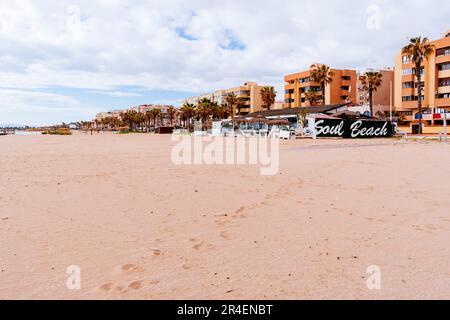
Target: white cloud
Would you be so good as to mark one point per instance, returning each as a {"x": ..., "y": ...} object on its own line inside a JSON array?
[
  {"x": 25, "y": 104},
  {"x": 36, "y": 101},
  {"x": 116, "y": 94},
  {"x": 105, "y": 45}
]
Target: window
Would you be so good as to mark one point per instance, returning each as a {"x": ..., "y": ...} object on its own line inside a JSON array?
[
  {"x": 289, "y": 100},
  {"x": 411, "y": 84},
  {"x": 408, "y": 85},
  {"x": 444, "y": 82},
  {"x": 407, "y": 72},
  {"x": 345, "y": 88},
  {"x": 312, "y": 88},
  {"x": 411, "y": 98},
  {"x": 406, "y": 59},
  {"x": 290, "y": 91},
  {"x": 445, "y": 66},
  {"x": 347, "y": 78},
  {"x": 443, "y": 52},
  {"x": 304, "y": 80},
  {"x": 444, "y": 96}
]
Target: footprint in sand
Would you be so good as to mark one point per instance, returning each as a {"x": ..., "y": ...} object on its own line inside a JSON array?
[
  {"x": 224, "y": 219},
  {"x": 200, "y": 245},
  {"x": 187, "y": 265},
  {"x": 132, "y": 267},
  {"x": 136, "y": 285},
  {"x": 107, "y": 287},
  {"x": 241, "y": 213},
  {"x": 226, "y": 235}
]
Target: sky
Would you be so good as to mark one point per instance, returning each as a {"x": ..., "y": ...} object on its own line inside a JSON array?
[{"x": 64, "y": 61}]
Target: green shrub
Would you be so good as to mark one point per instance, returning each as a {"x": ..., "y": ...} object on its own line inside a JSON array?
[{"x": 58, "y": 132}]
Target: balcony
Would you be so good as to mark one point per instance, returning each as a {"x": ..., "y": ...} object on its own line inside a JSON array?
[
  {"x": 409, "y": 105},
  {"x": 444, "y": 74},
  {"x": 442, "y": 90},
  {"x": 442, "y": 103},
  {"x": 442, "y": 59}
]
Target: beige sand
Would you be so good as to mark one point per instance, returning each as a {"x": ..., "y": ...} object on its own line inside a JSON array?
[{"x": 142, "y": 228}]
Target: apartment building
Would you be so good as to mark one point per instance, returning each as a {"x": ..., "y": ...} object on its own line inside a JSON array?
[
  {"x": 341, "y": 90},
  {"x": 148, "y": 107},
  {"x": 249, "y": 93},
  {"x": 111, "y": 114},
  {"x": 436, "y": 84},
  {"x": 382, "y": 98}
]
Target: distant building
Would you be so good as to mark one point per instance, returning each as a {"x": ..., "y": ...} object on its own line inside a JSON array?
[
  {"x": 147, "y": 107},
  {"x": 249, "y": 93},
  {"x": 341, "y": 90},
  {"x": 111, "y": 114},
  {"x": 164, "y": 111}
]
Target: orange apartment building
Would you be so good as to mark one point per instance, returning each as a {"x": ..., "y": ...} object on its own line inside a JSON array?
[
  {"x": 436, "y": 78},
  {"x": 341, "y": 90}
]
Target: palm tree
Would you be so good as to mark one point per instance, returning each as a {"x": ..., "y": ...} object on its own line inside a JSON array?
[
  {"x": 157, "y": 114},
  {"x": 419, "y": 50},
  {"x": 323, "y": 75},
  {"x": 187, "y": 113},
  {"x": 149, "y": 117},
  {"x": 171, "y": 113},
  {"x": 129, "y": 117},
  {"x": 226, "y": 110},
  {"x": 311, "y": 97},
  {"x": 268, "y": 96},
  {"x": 216, "y": 111},
  {"x": 232, "y": 101},
  {"x": 370, "y": 82},
  {"x": 204, "y": 111}
]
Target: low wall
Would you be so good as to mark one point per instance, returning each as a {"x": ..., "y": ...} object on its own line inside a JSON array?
[{"x": 426, "y": 130}]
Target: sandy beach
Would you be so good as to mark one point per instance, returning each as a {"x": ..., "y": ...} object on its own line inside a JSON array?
[{"x": 140, "y": 227}]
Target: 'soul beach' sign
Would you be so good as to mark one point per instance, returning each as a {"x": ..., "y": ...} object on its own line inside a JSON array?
[{"x": 353, "y": 129}]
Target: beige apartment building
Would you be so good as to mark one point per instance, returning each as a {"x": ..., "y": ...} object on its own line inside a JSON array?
[
  {"x": 383, "y": 98},
  {"x": 249, "y": 93},
  {"x": 436, "y": 78},
  {"x": 148, "y": 107},
  {"x": 111, "y": 114},
  {"x": 341, "y": 90}
]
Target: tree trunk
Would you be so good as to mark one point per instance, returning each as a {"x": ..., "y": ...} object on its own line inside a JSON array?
[
  {"x": 371, "y": 102},
  {"x": 323, "y": 93},
  {"x": 419, "y": 93}
]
